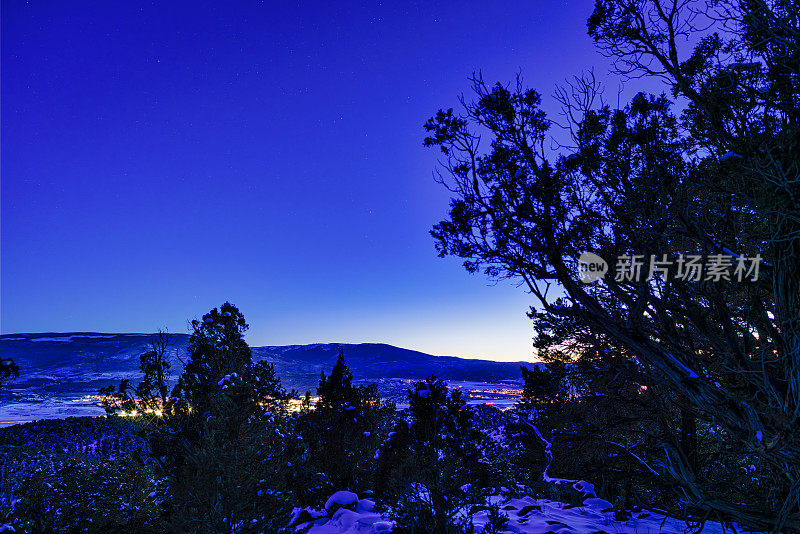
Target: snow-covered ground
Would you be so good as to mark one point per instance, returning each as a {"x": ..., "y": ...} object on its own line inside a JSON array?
[{"x": 345, "y": 513}]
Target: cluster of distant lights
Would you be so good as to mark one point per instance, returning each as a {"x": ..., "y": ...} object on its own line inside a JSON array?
[
  {"x": 135, "y": 413},
  {"x": 294, "y": 405}
]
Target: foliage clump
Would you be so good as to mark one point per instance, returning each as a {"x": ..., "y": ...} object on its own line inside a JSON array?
[{"x": 340, "y": 435}]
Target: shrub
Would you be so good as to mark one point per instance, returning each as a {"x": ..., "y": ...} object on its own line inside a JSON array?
[{"x": 82, "y": 494}]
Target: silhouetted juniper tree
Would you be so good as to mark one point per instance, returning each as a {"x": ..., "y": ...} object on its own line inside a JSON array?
[{"x": 719, "y": 181}]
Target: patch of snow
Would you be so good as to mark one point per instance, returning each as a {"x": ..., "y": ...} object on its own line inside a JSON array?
[
  {"x": 585, "y": 488},
  {"x": 341, "y": 498},
  {"x": 365, "y": 505},
  {"x": 526, "y": 515}
]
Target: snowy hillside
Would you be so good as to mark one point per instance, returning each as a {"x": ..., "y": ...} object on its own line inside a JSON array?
[
  {"x": 61, "y": 373},
  {"x": 345, "y": 513}
]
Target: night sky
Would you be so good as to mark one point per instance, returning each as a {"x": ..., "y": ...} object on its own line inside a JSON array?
[{"x": 161, "y": 158}]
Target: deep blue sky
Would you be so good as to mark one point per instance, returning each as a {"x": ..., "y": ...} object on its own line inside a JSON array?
[{"x": 160, "y": 158}]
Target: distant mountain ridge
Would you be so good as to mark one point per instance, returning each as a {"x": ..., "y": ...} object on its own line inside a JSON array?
[
  {"x": 119, "y": 352},
  {"x": 61, "y": 367}
]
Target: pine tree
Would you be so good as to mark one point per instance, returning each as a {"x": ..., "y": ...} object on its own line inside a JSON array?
[
  {"x": 341, "y": 434},
  {"x": 336, "y": 390},
  {"x": 216, "y": 350},
  {"x": 224, "y": 435},
  {"x": 430, "y": 466}
]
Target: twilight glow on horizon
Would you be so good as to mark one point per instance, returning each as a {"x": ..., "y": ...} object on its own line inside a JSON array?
[{"x": 161, "y": 158}]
